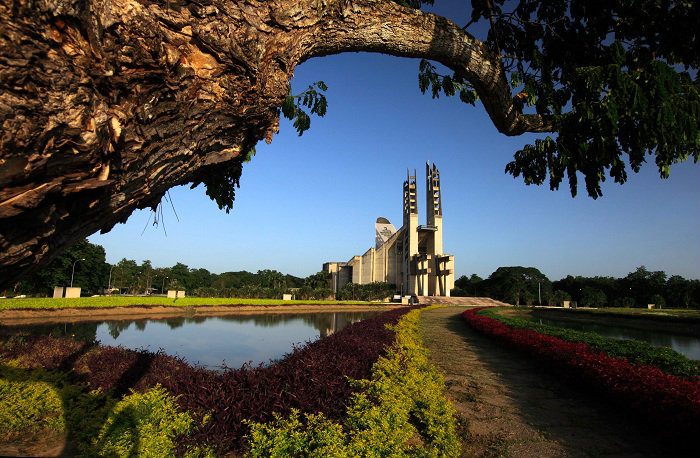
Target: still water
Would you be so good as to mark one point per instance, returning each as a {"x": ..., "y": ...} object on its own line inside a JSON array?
[
  {"x": 688, "y": 346},
  {"x": 212, "y": 342}
]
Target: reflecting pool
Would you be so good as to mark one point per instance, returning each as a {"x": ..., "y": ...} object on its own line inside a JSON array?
[{"x": 212, "y": 342}]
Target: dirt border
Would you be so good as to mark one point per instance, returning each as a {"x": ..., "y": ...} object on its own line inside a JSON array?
[{"x": 72, "y": 315}]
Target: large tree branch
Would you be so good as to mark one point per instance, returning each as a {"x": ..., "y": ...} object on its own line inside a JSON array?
[
  {"x": 388, "y": 28},
  {"x": 106, "y": 104}
]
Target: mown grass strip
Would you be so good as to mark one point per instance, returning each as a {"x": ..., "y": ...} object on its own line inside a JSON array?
[
  {"x": 634, "y": 351},
  {"x": 130, "y": 301},
  {"x": 401, "y": 410},
  {"x": 671, "y": 315}
]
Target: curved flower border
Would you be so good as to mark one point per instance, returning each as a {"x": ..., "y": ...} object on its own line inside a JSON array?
[{"x": 669, "y": 404}]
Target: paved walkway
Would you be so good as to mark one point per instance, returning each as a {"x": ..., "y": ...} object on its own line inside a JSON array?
[
  {"x": 462, "y": 301},
  {"x": 507, "y": 407}
]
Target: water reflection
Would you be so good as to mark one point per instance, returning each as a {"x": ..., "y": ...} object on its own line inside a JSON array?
[
  {"x": 686, "y": 345},
  {"x": 230, "y": 340}
]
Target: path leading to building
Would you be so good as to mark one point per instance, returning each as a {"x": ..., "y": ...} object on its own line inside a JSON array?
[
  {"x": 461, "y": 301},
  {"x": 507, "y": 407}
]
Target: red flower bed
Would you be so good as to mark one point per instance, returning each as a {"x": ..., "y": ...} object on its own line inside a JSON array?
[
  {"x": 669, "y": 404},
  {"x": 312, "y": 378}
]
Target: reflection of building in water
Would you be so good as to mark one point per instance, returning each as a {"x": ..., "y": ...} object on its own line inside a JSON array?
[
  {"x": 412, "y": 258},
  {"x": 336, "y": 322}
]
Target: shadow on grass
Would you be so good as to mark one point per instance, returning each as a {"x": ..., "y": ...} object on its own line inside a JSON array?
[{"x": 84, "y": 411}]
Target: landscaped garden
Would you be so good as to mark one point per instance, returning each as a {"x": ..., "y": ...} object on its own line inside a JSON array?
[
  {"x": 365, "y": 390},
  {"x": 657, "y": 386}
]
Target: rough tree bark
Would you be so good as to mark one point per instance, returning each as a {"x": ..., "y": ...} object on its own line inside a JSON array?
[{"x": 106, "y": 104}]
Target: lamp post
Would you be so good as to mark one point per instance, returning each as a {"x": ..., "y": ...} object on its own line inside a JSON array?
[
  {"x": 162, "y": 286},
  {"x": 73, "y": 272},
  {"x": 109, "y": 282}
]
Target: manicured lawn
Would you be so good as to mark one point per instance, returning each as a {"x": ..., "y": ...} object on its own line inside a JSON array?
[
  {"x": 642, "y": 313},
  {"x": 126, "y": 301}
]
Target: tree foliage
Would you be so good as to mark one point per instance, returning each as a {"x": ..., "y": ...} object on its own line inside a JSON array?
[
  {"x": 313, "y": 99},
  {"x": 636, "y": 289},
  {"x": 515, "y": 285},
  {"x": 518, "y": 285},
  {"x": 127, "y": 276},
  {"x": 618, "y": 79},
  {"x": 375, "y": 291},
  {"x": 90, "y": 274}
]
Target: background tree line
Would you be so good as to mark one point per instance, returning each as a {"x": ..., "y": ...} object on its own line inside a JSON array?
[
  {"x": 96, "y": 276},
  {"x": 529, "y": 286},
  {"x": 514, "y": 285}
]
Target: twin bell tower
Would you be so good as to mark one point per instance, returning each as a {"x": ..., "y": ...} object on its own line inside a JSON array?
[
  {"x": 426, "y": 270},
  {"x": 411, "y": 258}
]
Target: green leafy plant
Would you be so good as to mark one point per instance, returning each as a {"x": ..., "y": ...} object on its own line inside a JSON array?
[
  {"x": 38, "y": 402},
  {"x": 144, "y": 424},
  {"x": 312, "y": 98},
  {"x": 310, "y": 435},
  {"x": 29, "y": 404}
]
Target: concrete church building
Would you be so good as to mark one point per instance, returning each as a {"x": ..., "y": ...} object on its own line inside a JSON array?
[{"x": 412, "y": 258}]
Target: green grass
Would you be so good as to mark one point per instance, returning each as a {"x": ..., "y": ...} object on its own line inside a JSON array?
[
  {"x": 132, "y": 301},
  {"x": 689, "y": 315}
]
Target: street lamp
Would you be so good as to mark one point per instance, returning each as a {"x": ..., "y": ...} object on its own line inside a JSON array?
[
  {"x": 73, "y": 272},
  {"x": 162, "y": 286},
  {"x": 109, "y": 282}
]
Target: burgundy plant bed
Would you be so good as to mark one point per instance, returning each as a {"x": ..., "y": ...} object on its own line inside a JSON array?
[{"x": 668, "y": 404}]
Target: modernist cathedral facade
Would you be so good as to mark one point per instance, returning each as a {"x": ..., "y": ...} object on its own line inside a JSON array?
[{"x": 412, "y": 257}]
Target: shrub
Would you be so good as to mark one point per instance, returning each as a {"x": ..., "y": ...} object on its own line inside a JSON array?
[
  {"x": 29, "y": 404},
  {"x": 37, "y": 402},
  {"x": 401, "y": 410},
  {"x": 283, "y": 437},
  {"x": 376, "y": 291},
  {"x": 143, "y": 424}
]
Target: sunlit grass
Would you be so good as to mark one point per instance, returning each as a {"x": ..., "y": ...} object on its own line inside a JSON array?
[
  {"x": 681, "y": 313},
  {"x": 118, "y": 301}
]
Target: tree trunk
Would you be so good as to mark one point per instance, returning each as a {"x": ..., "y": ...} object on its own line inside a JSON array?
[{"x": 106, "y": 104}]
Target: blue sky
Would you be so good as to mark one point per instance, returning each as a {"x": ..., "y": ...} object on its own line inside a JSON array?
[{"x": 310, "y": 199}]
